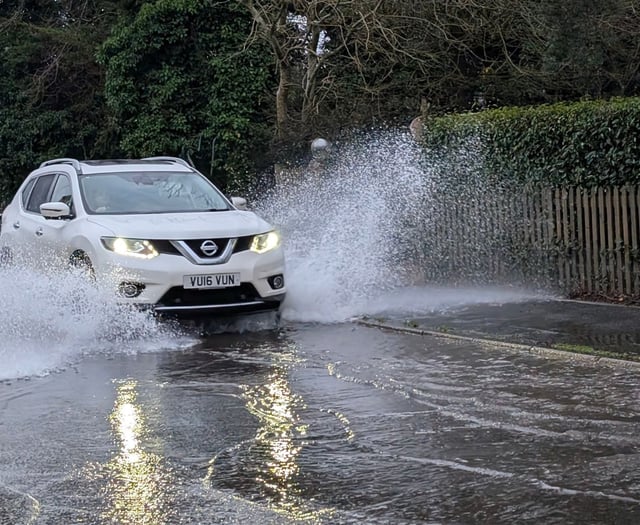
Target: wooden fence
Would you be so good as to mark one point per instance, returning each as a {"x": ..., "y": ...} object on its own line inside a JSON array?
[
  {"x": 582, "y": 241},
  {"x": 595, "y": 234}
]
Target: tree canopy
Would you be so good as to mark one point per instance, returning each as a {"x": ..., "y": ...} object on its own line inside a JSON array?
[
  {"x": 179, "y": 81},
  {"x": 234, "y": 83}
]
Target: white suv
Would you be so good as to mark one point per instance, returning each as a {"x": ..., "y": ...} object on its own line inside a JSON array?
[{"x": 155, "y": 227}]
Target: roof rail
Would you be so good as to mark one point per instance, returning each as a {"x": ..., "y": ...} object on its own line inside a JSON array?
[
  {"x": 170, "y": 159},
  {"x": 74, "y": 162}
]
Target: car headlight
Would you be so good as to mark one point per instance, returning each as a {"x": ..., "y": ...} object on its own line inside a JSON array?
[
  {"x": 133, "y": 247},
  {"x": 265, "y": 242}
]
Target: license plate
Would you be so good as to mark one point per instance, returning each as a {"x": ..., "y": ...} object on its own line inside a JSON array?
[{"x": 214, "y": 280}]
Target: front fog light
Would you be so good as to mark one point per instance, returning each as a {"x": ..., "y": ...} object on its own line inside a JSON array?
[
  {"x": 276, "y": 281},
  {"x": 265, "y": 242},
  {"x": 130, "y": 290}
]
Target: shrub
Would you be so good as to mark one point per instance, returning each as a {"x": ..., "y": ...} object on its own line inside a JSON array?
[{"x": 587, "y": 143}]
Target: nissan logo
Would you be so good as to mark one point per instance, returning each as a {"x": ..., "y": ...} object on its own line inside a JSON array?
[{"x": 209, "y": 248}]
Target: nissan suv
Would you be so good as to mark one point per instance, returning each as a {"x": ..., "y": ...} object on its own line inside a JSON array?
[{"x": 156, "y": 228}]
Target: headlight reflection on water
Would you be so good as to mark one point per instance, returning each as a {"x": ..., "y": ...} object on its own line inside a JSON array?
[
  {"x": 273, "y": 456},
  {"x": 138, "y": 484},
  {"x": 279, "y": 436},
  {"x": 128, "y": 425},
  {"x": 278, "y": 443}
]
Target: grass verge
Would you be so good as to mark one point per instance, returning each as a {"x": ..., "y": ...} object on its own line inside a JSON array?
[{"x": 589, "y": 350}]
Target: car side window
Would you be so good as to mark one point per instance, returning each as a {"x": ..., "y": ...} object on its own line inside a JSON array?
[
  {"x": 62, "y": 190},
  {"x": 26, "y": 192},
  {"x": 40, "y": 192}
]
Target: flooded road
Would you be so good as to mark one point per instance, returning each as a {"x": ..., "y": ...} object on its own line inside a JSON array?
[
  {"x": 108, "y": 417},
  {"x": 321, "y": 424}
]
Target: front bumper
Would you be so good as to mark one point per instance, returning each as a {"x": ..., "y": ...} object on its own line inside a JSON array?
[
  {"x": 231, "y": 308},
  {"x": 161, "y": 282}
]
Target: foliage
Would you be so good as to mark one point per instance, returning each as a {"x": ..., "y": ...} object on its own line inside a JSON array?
[
  {"x": 358, "y": 63},
  {"x": 50, "y": 90},
  {"x": 179, "y": 82},
  {"x": 233, "y": 85},
  {"x": 585, "y": 143}
]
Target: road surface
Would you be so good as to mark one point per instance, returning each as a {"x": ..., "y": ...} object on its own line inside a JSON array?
[{"x": 321, "y": 424}]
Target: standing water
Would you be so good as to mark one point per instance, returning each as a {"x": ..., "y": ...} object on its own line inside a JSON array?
[{"x": 316, "y": 424}]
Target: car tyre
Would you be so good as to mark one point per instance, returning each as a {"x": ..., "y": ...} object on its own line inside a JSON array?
[
  {"x": 6, "y": 257},
  {"x": 81, "y": 261},
  {"x": 79, "y": 300}
]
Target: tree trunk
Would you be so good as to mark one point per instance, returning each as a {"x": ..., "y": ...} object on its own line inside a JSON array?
[{"x": 310, "y": 79}]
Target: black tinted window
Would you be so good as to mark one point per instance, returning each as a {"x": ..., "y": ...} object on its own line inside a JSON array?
[
  {"x": 26, "y": 191},
  {"x": 40, "y": 192}
]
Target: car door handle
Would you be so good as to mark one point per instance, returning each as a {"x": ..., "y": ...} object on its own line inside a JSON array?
[
  {"x": 16, "y": 225},
  {"x": 39, "y": 232}
]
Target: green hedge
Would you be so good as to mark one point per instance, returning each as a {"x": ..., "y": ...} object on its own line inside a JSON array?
[{"x": 588, "y": 143}]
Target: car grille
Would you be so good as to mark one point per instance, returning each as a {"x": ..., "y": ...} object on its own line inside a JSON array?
[
  {"x": 166, "y": 247},
  {"x": 194, "y": 244},
  {"x": 179, "y": 296}
]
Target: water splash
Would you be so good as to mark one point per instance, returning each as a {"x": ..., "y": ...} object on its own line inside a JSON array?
[
  {"x": 51, "y": 318},
  {"x": 354, "y": 230}
]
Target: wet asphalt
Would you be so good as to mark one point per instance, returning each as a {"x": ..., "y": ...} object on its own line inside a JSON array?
[
  {"x": 588, "y": 328},
  {"x": 335, "y": 424}
]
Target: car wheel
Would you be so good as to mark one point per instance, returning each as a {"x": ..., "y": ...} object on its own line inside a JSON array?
[
  {"x": 6, "y": 257},
  {"x": 81, "y": 261}
]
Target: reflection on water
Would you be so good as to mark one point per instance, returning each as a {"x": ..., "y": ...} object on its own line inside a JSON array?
[
  {"x": 138, "y": 483},
  {"x": 272, "y": 456},
  {"x": 279, "y": 438}
]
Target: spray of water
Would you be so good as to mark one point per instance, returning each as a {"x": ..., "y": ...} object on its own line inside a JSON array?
[
  {"x": 51, "y": 318},
  {"x": 354, "y": 231}
]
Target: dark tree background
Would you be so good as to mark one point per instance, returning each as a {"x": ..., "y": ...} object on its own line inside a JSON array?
[{"x": 236, "y": 85}]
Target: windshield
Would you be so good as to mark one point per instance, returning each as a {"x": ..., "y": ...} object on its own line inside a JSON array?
[{"x": 149, "y": 192}]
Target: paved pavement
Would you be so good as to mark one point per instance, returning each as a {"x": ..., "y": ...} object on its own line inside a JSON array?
[{"x": 605, "y": 330}]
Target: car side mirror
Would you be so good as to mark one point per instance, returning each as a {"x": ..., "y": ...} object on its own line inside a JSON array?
[
  {"x": 239, "y": 203},
  {"x": 55, "y": 210}
]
